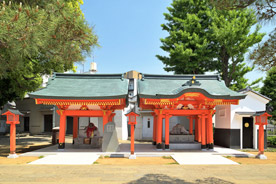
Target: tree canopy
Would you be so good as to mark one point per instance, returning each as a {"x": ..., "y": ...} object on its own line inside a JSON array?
[
  {"x": 37, "y": 38},
  {"x": 203, "y": 38},
  {"x": 264, "y": 55},
  {"x": 269, "y": 89}
]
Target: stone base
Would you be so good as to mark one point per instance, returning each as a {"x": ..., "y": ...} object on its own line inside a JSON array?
[
  {"x": 61, "y": 145},
  {"x": 167, "y": 147},
  {"x": 153, "y": 143},
  {"x": 132, "y": 156},
  {"x": 182, "y": 138},
  {"x": 159, "y": 146},
  {"x": 261, "y": 156},
  {"x": 12, "y": 156}
]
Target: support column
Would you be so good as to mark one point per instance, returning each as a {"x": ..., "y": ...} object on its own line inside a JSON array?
[
  {"x": 191, "y": 125},
  {"x": 154, "y": 129},
  {"x": 62, "y": 127},
  {"x": 75, "y": 127},
  {"x": 203, "y": 133},
  {"x": 12, "y": 138},
  {"x": 196, "y": 128},
  {"x": 159, "y": 130},
  {"x": 211, "y": 133},
  {"x": 207, "y": 131},
  {"x": 132, "y": 140},
  {"x": 105, "y": 120},
  {"x": 199, "y": 128},
  {"x": 261, "y": 139},
  {"x": 167, "y": 132}
]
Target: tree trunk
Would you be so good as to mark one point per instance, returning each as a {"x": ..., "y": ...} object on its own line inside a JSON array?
[{"x": 225, "y": 65}]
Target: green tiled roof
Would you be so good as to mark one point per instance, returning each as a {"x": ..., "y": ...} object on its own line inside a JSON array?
[
  {"x": 84, "y": 86},
  {"x": 173, "y": 86}
]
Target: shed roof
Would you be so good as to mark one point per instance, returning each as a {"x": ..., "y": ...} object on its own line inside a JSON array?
[
  {"x": 83, "y": 87},
  {"x": 173, "y": 86}
]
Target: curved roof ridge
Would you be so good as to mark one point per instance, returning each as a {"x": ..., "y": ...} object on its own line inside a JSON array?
[{"x": 180, "y": 76}]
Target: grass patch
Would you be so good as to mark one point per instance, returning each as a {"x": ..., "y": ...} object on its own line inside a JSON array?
[
  {"x": 106, "y": 156},
  {"x": 270, "y": 149},
  {"x": 228, "y": 156},
  {"x": 41, "y": 157},
  {"x": 166, "y": 157},
  {"x": 173, "y": 163},
  {"x": 240, "y": 163},
  {"x": 96, "y": 163}
]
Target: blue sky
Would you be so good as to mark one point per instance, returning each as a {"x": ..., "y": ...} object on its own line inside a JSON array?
[{"x": 129, "y": 34}]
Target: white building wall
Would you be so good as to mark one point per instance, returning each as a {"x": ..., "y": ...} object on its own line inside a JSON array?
[
  {"x": 222, "y": 118},
  {"x": 251, "y": 103}
]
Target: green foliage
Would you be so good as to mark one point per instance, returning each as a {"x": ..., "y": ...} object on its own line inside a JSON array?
[
  {"x": 269, "y": 90},
  {"x": 202, "y": 38},
  {"x": 37, "y": 40},
  {"x": 188, "y": 44},
  {"x": 231, "y": 33},
  {"x": 263, "y": 55},
  {"x": 271, "y": 140}
]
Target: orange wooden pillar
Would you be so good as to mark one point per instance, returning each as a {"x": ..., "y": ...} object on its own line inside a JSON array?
[
  {"x": 105, "y": 119},
  {"x": 154, "y": 129},
  {"x": 207, "y": 131},
  {"x": 62, "y": 127},
  {"x": 203, "y": 133},
  {"x": 191, "y": 125},
  {"x": 12, "y": 120},
  {"x": 210, "y": 132},
  {"x": 12, "y": 138},
  {"x": 261, "y": 139},
  {"x": 132, "y": 122},
  {"x": 75, "y": 127},
  {"x": 159, "y": 130},
  {"x": 167, "y": 131},
  {"x": 199, "y": 128},
  {"x": 196, "y": 128}
]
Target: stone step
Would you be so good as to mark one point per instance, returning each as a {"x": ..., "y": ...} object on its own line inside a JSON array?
[{"x": 185, "y": 146}]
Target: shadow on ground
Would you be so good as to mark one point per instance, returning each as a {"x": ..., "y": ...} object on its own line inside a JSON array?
[{"x": 164, "y": 179}]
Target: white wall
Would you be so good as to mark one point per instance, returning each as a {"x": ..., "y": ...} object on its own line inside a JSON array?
[
  {"x": 251, "y": 103},
  {"x": 222, "y": 118}
]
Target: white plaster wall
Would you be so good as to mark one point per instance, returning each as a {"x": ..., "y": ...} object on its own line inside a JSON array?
[
  {"x": 120, "y": 121},
  {"x": 139, "y": 128},
  {"x": 222, "y": 117},
  {"x": 147, "y": 131}
]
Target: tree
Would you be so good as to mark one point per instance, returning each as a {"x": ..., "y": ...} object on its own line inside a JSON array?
[
  {"x": 202, "y": 38},
  {"x": 188, "y": 44},
  {"x": 37, "y": 40},
  {"x": 269, "y": 90},
  {"x": 264, "y": 54},
  {"x": 231, "y": 33}
]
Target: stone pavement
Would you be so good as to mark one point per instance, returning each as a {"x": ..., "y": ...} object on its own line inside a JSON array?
[
  {"x": 147, "y": 174},
  {"x": 82, "y": 154}
]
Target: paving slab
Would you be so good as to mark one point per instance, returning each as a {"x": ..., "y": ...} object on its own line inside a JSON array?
[
  {"x": 67, "y": 159},
  {"x": 201, "y": 159}
]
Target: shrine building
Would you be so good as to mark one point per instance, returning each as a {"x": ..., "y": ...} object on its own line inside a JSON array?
[{"x": 165, "y": 104}]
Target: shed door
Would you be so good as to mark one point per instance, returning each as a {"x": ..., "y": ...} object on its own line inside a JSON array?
[
  {"x": 247, "y": 133},
  {"x": 48, "y": 123},
  {"x": 26, "y": 124}
]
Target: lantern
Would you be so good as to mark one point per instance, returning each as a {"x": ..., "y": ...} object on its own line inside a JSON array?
[
  {"x": 12, "y": 120},
  {"x": 132, "y": 121}
]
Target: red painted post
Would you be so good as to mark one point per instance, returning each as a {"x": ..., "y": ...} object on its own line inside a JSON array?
[
  {"x": 132, "y": 140},
  {"x": 199, "y": 128},
  {"x": 62, "y": 127},
  {"x": 105, "y": 120},
  {"x": 12, "y": 138},
  {"x": 196, "y": 128},
  {"x": 211, "y": 137},
  {"x": 191, "y": 125},
  {"x": 159, "y": 130},
  {"x": 261, "y": 139},
  {"x": 167, "y": 131},
  {"x": 203, "y": 131}
]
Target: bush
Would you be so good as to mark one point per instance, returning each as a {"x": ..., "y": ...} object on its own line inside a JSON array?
[{"x": 271, "y": 140}]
